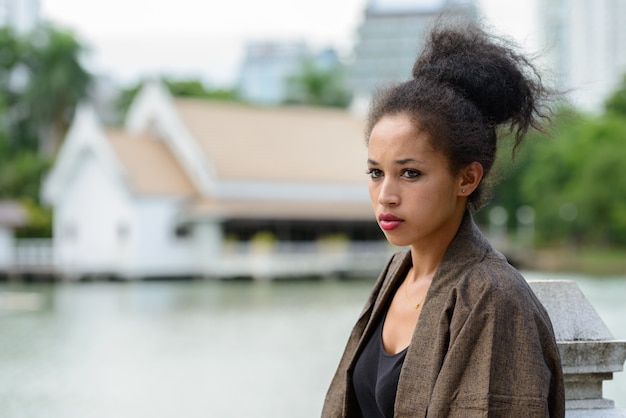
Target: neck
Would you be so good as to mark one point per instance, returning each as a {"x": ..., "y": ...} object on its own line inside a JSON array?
[{"x": 427, "y": 256}]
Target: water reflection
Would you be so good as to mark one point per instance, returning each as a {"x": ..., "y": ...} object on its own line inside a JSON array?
[
  {"x": 191, "y": 349},
  {"x": 174, "y": 349}
]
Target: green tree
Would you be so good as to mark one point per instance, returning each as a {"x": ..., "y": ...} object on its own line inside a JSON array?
[
  {"x": 616, "y": 103},
  {"x": 11, "y": 111},
  {"x": 575, "y": 182},
  {"x": 598, "y": 188},
  {"x": 318, "y": 86},
  {"x": 10, "y": 55},
  {"x": 57, "y": 82},
  {"x": 195, "y": 88},
  {"x": 549, "y": 168},
  {"x": 41, "y": 80},
  {"x": 509, "y": 170}
]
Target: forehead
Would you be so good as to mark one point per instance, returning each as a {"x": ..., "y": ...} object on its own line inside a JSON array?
[{"x": 398, "y": 133}]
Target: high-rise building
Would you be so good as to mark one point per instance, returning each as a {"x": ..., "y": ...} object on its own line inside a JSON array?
[
  {"x": 265, "y": 69},
  {"x": 585, "y": 42},
  {"x": 21, "y": 15},
  {"x": 390, "y": 37},
  {"x": 268, "y": 68}
]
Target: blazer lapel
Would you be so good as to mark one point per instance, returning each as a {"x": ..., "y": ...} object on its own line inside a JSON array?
[
  {"x": 377, "y": 305},
  {"x": 430, "y": 339}
]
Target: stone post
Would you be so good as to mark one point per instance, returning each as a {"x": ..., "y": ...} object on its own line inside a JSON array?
[{"x": 589, "y": 353}]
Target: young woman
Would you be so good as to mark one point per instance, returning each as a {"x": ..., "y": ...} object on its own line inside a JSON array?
[{"x": 450, "y": 329}]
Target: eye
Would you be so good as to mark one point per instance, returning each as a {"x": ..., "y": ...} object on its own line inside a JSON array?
[
  {"x": 374, "y": 173},
  {"x": 411, "y": 174}
]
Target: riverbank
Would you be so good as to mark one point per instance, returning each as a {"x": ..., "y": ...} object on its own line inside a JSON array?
[{"x": 593, "y": 262}]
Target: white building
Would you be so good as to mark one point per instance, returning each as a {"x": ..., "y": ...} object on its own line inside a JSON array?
[
  {"x": 586, "y": 45},
  {"x": 22, "y": 15},
  {"x": 201, "y": 188},
  {"x": 12, "y": 215}
]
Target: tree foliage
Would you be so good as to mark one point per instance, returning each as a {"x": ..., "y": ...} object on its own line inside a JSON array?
[
  {"x": 616, "y": 103},
  {"x": 41, "y": 81},
  {"x": 318, "y": 85},
  {"x": 575, "y": 181},
  {"x": 57, "y": 81}
]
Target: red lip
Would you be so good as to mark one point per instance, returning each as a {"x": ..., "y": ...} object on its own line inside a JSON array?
[{"x": 389, "y": 222}]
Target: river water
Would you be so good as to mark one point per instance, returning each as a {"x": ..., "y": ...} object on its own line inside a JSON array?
[{"x": 195, "y": 348}]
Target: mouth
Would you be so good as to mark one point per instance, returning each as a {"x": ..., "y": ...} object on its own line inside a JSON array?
[{"x": 389, "y": 222}]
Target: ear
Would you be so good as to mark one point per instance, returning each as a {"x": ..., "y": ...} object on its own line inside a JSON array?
[{"x": 469, "y": 178}]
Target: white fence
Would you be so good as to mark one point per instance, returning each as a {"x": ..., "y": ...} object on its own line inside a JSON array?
[
  {"x": 306, "y": 259},
  {"x": 282, "y": 259},
  {"x": 33, "y": 255}
]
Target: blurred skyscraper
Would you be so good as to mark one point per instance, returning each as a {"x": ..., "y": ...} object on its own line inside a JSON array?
[
  {"x": 389, "y": 39},
  {"x": 586, "y": 47},
  {"x": 268, "y": 67},
  {"x": 265, "y": 67},
  {"x": 21, "y": 15}
]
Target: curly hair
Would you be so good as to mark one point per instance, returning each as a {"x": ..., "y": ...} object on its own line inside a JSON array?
[{"x": 466, "y": 85}]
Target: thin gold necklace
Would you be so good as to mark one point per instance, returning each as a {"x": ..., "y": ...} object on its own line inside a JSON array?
[{"x": 406, "y": 294}]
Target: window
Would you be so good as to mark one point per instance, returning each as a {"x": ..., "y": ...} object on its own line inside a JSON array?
[{"x": 182, "y": 231}]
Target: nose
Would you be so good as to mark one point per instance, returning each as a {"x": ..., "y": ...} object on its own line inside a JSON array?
[{"x": 388, "y": 193}]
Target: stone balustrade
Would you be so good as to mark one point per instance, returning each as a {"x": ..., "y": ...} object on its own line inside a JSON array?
[{"x": 589, "y": 353}]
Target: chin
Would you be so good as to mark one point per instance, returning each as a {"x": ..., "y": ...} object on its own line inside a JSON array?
[{"x": 398, "y": 242}]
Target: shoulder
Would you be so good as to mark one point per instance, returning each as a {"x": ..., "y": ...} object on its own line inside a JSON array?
[
  {"x": 494, "y": 272},
  {"x": 497, "y": 283}
]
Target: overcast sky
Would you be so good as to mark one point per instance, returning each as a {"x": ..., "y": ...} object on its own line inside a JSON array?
[{"x": 130, "y": 39}]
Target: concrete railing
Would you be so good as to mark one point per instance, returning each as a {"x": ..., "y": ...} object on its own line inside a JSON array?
[{"x": 589, "y": 353}]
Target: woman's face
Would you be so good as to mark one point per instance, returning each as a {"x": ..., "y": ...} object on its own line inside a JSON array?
[{"x": 415, "y": 197}]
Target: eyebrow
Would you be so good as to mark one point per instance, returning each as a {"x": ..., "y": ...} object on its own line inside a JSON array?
[{"x": 399, "y": 162}]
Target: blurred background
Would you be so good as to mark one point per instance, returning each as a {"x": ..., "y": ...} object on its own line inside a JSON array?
[{"x": 184, "y": 221}]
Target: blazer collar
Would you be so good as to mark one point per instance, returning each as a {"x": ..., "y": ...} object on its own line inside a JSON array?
[{"x": 467, "y": 247}]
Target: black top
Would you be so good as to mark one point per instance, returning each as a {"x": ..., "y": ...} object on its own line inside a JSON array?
[{"x": 376, "y": 376}]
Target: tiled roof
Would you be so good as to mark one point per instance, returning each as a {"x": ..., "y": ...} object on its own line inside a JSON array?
[
  {"x": 294, "y": 144},
  {"x": 315, "y": 148},
  {"x": 152, "y": 168},
  {"x": 283, "y": 209}
]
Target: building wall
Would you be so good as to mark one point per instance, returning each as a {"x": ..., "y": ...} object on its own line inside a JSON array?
[
  {"x": 6, "y": 247},
  {"x": 93, "y": 222},
  {"x": 161, "y": 246},
  {"x": 387, "y": 47},
  {"x": 268, "y": 67},
  {"x": 586, "y": 44},
  {"x": 390, "y": 38},
  {"x": 265, "y": 70},
  {"x": 101, "y": 228},
  {"x": 22, "y": 15}
]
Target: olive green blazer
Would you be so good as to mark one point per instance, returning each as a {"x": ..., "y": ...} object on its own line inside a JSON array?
[{"x": 483, "y": 347}]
